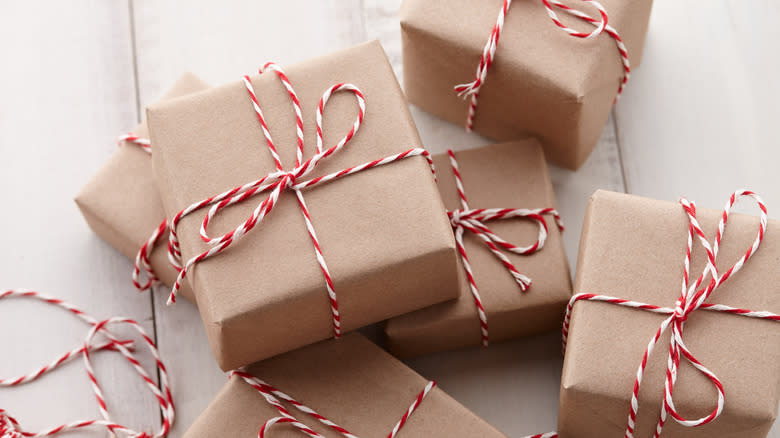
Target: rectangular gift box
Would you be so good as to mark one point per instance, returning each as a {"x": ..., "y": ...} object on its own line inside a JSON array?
[
  {"x": 633, "y": 248},
  {"x": 383, "y": 232},
  {"x": 121, "y": 203},
  {"x": 542, "y": 81},
  {"x": 508, "y": 175},
  {"x": 349, "y": 381}
]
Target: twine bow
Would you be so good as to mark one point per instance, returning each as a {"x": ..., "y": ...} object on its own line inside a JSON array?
[
  {"x": 275, "y": 182},
  {"x": 273, "y": 396},
  {"x": 471, "y": 89},
  {"x": 692, "y": 298},
  {"x": 475, "y": 221},
  {"x": 10, "y": 428}
]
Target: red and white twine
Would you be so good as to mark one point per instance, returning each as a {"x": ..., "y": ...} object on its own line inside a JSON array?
[
  {"x": 136, "y": 140},
  {"x": 142, "y": 266},
  {"x": 474, "y": 221},
  {"x": 273, "y": 396},
  {"x": 277, "y": 181},
  {"x": 691, "y": 299},
  {"x": 487, "y": 58},
  {"x": 10, "y": 428}
]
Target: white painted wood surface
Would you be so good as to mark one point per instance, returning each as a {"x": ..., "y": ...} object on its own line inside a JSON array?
[
  {"x": 696, "y": 119},
  {"x": 66, "y": 90}
]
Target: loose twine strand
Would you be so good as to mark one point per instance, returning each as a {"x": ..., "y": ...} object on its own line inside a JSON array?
[
  {"x": 10, "y": 427},
  {"x": 475, "y": 221},
  {"x": 471, "y": 89}
]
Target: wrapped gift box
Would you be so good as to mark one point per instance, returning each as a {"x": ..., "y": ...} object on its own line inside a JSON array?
[
  {"x": 121, "y": 203},
  {"x": 633, "y": 248},
  {"x": 383, "y": 232},
  {"x": 508, "y": 175},
  {"x": 349, "y": 381},
  {"x": 542, "y": 81}
]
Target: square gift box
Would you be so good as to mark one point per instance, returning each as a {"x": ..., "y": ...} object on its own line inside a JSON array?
[
  {"x": 634, "y": 248},
  {"x": 540, "y": 80},
  {"x": 511, "y": 181},
  {"x": 121, "y": 203},
  {"x": 351, "y": 382},
  {"x": 298, "y": 263}
]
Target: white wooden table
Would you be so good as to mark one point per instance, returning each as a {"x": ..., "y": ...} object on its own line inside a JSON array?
[{"x": 698, "y": 118}]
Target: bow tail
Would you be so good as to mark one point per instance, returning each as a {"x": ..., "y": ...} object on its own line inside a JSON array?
[
  {"x": 472, "y": 286},
  {"x": 631, "y": 424},
  {"x": 478, "y": 229},
  {"x": 682, "y": 350}
]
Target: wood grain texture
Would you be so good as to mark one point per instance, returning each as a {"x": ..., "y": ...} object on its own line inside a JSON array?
[
  {"x": 220, "y": 42},
  {"x": 696, "y": 120},
  {"x": 67, "y": 90}
]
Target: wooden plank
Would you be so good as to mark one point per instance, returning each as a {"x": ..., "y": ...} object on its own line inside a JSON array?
[
  {"x": 68, "y": 89},
  {"x": 698, "y": 118},
  {"x": 220, "y": 42},
  {"x": 514, "y": 385}
]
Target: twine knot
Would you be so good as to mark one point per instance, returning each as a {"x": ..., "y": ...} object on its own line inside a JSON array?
[
  {"x": 289, "y": 179},
  {"x": 471, "y": 89},
  {"x": 693, "y": 297},
  {"x": 679, "y": 313},
  {"x": 456, "y": 219},
  {"x": 274, "y": 183},
  {"x": 475, "y": 221}
]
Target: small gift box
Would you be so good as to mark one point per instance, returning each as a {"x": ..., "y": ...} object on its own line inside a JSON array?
[
  {"x": 121, "y": 203},
  {"x": 534, "y": 76},
  {"x": 333, "y": 388},
  {"x": 317, "y": 236},
  {"x": 514, "y": 277},
  {"x": 717, "y": 360}
]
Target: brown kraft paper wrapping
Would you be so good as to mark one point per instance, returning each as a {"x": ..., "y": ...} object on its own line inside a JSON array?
[
  {"x": 383, "y": 232},
  {"x": 121, "y": 203},
  {"x": 350, "y": 381},
  {"x": 633, "y": 248},
  {"x": 508, "y": 175},
  {"x": 543, "y": 82}
]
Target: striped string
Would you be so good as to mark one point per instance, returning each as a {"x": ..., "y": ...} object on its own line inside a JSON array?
[
  {"x": 142, "y": 266},
  {"x": 274, "y": 397},
  {"x": 277, "y": 181},
  {"x": 9, "y": 426},
  {"x": 475, "y": 220},
  {"x": 692, "y": 298},
  {"x": 135, "y": 140},
  {"x": 471, "y": 89}
]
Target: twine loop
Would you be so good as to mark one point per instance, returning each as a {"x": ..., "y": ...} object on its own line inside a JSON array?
[
  {"x": 9, "y": 426},
  {"x": 475, "y": 221},
  {"x": 471, "y": 89},
  {"x": 693, "y": 297},
  {"x": 272, "y": 184}
]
